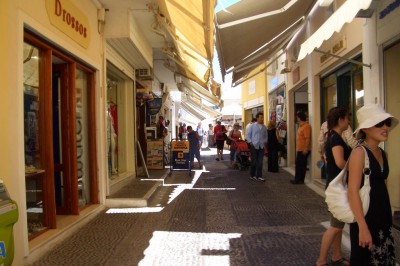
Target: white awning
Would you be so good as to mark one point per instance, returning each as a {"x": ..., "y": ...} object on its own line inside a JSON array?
[
  {"x": 345, "y": 14},
  {"x": 251, "y": 30},
  {"x": 192, "y": 111}
]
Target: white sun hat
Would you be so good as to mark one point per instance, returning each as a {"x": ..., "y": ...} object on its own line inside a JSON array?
[{"x": 371, "y": 114}]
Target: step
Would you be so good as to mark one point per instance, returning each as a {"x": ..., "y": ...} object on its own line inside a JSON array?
[{"x": 136, "y": 194}]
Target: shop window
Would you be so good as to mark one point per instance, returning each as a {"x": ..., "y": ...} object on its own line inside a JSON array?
[
  {"x": 118, "y": 109},
  {"x": 82, "y": 154},
  {"x": 34, "y": 170},
  {"x": 112, "y": 126}
]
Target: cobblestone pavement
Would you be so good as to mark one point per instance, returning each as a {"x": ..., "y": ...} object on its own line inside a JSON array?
[{"x": 218, "y": 216}]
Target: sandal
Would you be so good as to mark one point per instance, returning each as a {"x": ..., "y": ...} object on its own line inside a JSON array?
[{"x": 341, "y": 262}]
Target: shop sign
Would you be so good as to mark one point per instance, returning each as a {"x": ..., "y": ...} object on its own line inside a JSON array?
[
  {"x": 70, "y": 20},
  {"x": 389, "y": 9},
  {"x": 336, "y": 48}
]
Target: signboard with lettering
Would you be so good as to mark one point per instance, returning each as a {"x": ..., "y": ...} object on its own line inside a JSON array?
[
  {"x": 155, "y": 154},
  {"x": 65, "y": 16},
  {"x": 180, "y": 154}
]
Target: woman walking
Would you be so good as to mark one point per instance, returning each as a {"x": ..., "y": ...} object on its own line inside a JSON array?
[
  {"x": 336, "y": 153},
  {"x": 273, "y": 147},
  {"x": 371, "y": 236},
  {"x": 234, "y": 135}
]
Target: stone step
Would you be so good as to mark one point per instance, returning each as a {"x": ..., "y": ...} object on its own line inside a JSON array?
[{"x": 136, "y": 194}]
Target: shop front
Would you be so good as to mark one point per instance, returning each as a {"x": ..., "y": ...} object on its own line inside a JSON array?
[
  {"x": 60, "y": 140},
  {"x": 50, "y": 116},
  {"x": 388, "y": 46}
]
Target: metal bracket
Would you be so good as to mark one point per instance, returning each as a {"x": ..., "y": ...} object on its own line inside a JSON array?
[{"x": 343, "y": 58}]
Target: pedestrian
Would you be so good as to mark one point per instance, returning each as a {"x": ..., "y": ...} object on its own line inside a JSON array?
[
  {"x": 234, "y": 135},
  {"x": 219, "y": 137},
  {"x": 371, "y": 236},
  {"x": 194, "y": 147},
  {"x": 184, "y": 131},
  {"x": 336, "y": 153},
  {"x": 200, "y": 131},
  {"x": 257, "y": 137},
  {"x": 180, "y": 130},
  {"x": 253, "y": 120},
  {"x": 160, "y": 127},
  {"x": 347, "y": 136},
  {"x": 273, "y": 146},
  {"x": 210, "y": 137},
  {"x": 303, "y": 147}
]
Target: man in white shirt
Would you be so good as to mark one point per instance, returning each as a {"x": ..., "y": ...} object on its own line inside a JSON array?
[{"x": 257, "y": 137}]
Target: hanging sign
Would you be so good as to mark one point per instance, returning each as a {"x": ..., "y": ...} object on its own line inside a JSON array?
[{"x": 154, "y": 106}]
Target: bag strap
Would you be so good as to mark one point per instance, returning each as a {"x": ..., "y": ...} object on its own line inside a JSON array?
[{"x": 367, "y": 170}]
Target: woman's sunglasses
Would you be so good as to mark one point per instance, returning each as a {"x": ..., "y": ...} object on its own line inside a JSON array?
[{"x": 387, "y": 122}]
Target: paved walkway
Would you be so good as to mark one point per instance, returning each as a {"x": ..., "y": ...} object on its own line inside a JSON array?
[{"x": 215, "y": 217}]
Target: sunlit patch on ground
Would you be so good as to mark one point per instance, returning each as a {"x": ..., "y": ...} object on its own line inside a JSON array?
[
  {"x": 135, "y": 210},
  {"x": 187, "y": 248}
]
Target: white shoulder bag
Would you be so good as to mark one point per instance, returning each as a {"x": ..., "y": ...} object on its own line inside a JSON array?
[{"x": 336, "y": 194}]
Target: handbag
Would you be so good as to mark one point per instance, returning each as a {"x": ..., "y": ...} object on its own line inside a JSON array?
[{"x": 336, "y": 194}]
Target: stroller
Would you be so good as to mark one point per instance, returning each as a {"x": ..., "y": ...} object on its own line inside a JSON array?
[{"x": 242, "y": 155}]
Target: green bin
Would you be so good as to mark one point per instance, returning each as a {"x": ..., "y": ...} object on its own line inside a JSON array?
[{"x": 8, "y": 217}]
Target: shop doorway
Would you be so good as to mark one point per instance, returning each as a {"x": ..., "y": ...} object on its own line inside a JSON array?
[
  {"x": 60, "y": 129},
  {"x": 60, "y": 135}
]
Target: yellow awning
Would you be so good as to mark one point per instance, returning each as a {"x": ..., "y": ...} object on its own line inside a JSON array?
[{"x": 191, "y": 25}]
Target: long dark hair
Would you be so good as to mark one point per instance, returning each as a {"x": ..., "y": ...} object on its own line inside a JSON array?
[{"x": 334, "y": 115}]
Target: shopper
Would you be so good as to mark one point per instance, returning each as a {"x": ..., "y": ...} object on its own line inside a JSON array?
[
  {"x": 273, "y": 146},
  {"x": 194, "y": 147},
  {"x": 303, "y": 147},
  {"x": 200, "y": 131},
  {"x": 257, "y": 137},
  {"x": 336, "y": 153},
  {"x": 210, "y": 136},
  {"x": 219, "y": 137},
  {"x": 371, "y": 236},
  {"x": 234, "y": 135}
]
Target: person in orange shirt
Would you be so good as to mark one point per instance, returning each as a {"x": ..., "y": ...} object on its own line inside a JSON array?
[{"x": 303, "y": 148}]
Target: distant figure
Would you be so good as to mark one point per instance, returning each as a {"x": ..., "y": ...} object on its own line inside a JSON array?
[
  {"x": 234, "y": 135},
  {"x": 274, "y": 141},
  {"x": 210, "y": 137},
  {"x": 194, "y": 147},
  {"x": 219, "y": 137},
  {"x": 253, "y": 120},
  {"x": 303, "y": 148},
  {"x": 200, "y": 131},
  {"x": 160, "y": 127}
]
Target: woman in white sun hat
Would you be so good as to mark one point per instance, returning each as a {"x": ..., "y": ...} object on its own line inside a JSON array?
[{"x": 371, "y": 236}]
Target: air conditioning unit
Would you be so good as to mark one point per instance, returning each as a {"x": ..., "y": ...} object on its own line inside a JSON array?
[{"x": 144, "y": 74}]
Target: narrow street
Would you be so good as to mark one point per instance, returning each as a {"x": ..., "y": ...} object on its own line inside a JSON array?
[{"x": 218, "y": 216}]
